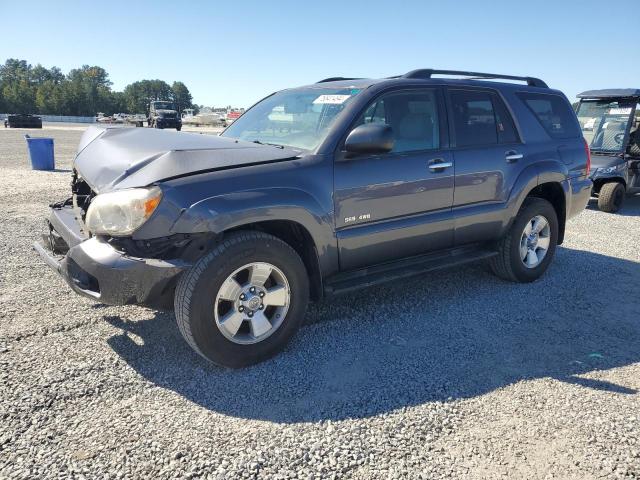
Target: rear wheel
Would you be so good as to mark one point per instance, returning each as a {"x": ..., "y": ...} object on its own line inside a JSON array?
[
  {"x": 525, "y": 253},
  {"x": 611, "y": 197},
  {"x": 242, "y": 303}
]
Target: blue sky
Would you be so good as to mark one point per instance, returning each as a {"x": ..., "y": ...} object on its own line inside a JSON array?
[{"x": 236, "y": 52}]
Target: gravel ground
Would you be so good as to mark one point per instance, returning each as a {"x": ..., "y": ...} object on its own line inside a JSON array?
[{"x": 456, "y": 374}]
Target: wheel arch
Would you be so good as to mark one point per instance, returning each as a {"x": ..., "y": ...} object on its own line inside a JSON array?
[
  {"x": 297, "y": 237},
  {"x": 599, "y": 182},
  {"x": 290, "y": 214},
  {"x": 555, "y": 194},
  {"x": 547, "y": 181}
]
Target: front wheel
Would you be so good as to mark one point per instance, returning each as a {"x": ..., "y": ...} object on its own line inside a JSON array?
[
  {"x": 611, "y": 197},
  {"x": 524, "y": 254},
  {"x": 242, "y": 303}
]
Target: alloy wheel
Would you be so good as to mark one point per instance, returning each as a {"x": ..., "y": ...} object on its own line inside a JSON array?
[
  {"x": 535, "y": 241},
  {"x": 252, "y": 303}
]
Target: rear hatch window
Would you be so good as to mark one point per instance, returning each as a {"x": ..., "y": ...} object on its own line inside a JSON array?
[{"x": 554, "y": 114}]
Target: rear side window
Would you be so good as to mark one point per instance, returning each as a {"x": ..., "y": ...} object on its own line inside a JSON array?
[
  {"x": 554, "y": 114},
  {"x": 481, "y": 119}
]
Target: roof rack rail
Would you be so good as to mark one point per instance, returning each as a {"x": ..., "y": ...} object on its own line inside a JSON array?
[
  {"x": 335, "y": 79},
  {"x": 428, "y": 72}
]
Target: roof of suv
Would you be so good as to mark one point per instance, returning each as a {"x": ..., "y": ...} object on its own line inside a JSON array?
[
  {"x": 475, "y": 78},
  {"x": 611, "y": 93}
]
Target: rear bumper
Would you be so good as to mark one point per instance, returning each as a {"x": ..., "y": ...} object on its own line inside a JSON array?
[
  {"x": 94, "y": 269},
  {"x": 580, "y": 192}
]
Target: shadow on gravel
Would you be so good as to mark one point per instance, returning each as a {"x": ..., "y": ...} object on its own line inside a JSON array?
[
  {"x": 448, "y": 335},
  {"x": 630, "y": 208}
]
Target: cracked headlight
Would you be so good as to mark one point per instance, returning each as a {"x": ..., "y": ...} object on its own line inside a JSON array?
[{"x": 120, "y": 213}]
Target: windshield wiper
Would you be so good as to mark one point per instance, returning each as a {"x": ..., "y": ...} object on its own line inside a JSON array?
[{"x": 267, "y": 143}]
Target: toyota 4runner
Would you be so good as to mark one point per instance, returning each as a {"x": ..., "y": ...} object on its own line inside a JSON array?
[{"x": 319, "y": 190}]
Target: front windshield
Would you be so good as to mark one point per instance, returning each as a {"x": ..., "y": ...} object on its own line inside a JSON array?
[
  {"x": 163, "y": 106},
  {"x": 604, "y": 123},
  {"x": 298, "y": 118}
]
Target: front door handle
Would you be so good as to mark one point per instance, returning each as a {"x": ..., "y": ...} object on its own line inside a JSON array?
[
  {"x": 512, "y": 156},
  {"x": 438, "y": 164}
]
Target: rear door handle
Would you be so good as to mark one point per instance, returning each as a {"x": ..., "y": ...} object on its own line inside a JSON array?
[
  {"x": 513, "y": 156},
  {"x": 438, "y": 164}
]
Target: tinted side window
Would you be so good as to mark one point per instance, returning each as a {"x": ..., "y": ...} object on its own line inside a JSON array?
[
  {"x": 480, "y": 118},
  {"x": 413, "y": 116},
  {"x": 554, "y": 113},
  {"x": 473, "y": 119},
  {"x": 504, "y": 123}
]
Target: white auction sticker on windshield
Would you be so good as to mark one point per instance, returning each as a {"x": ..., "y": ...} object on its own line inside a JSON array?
[
  {"x": 619, "y": 111},
  {"x": 332, "y": 99}
]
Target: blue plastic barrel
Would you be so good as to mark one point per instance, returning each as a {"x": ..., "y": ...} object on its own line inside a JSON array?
[{"x": 41, "y": 153}]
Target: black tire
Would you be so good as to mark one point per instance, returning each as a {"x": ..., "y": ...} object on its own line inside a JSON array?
[
  {"x": 197, "y": 289},
  {"x": 508, "y": 263},
  {"x": 178, "y": 128},
  {"x": 611, "y": 197}
]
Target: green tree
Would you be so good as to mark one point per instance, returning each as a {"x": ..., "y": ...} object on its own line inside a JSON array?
[
  {"x": 14, "y": 70},
  {"x": 50, "y": 98},
  {"x": 19, "y": 97},
  {"x": 15, "y": 83},
  {"x": 84, "y": 91},
  {"x": 90, "y": 90},
  {"x": 181, "y": 96},
  {"x": 139, "y": 94}
]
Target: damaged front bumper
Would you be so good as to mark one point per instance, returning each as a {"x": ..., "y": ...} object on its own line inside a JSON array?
[{"x": 93, "y": 268}]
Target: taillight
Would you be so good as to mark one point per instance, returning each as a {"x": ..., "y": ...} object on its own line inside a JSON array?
[{"x": 588, "y": 152}]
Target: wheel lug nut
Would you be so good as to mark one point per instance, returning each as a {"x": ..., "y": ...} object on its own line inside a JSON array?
[
  {"x": 261, "y": 306},
  {"x": 250, "y": 314},
  {"x": 261, "y": 294},
  {"x": 241, "y": 308},
  {"x": 242, "y": 296},
  {"x": 252, "y": 289}
]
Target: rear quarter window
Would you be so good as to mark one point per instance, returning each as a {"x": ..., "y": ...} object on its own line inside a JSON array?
[{"x": 554, "y": 113}]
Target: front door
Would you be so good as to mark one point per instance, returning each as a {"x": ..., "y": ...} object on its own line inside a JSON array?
[{"x": 397, "y": 204}]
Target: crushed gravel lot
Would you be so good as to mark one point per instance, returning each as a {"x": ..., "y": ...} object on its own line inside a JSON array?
[{"x": 454, "y": 374}]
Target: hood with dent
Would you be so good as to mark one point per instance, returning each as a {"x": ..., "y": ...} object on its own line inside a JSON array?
[{"x": 116, "y": 158}]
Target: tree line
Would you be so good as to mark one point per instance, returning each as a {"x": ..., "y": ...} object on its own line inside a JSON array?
[{"x": 83, "y": 91}]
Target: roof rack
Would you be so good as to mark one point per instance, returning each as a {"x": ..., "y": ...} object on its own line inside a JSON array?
[
  {"x": 428, "y": 72},
  {"x": 335, "y": 79}
]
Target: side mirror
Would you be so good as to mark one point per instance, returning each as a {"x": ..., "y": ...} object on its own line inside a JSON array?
[{"x": 370, "y": 138}]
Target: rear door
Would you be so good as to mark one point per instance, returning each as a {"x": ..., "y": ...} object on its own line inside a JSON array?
[
  {"x": 397, "y": 204},
  {"x": 489, "y": 156}
]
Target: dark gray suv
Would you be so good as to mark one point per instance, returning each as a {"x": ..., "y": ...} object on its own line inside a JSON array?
[{"x": 319, "y": 190}]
